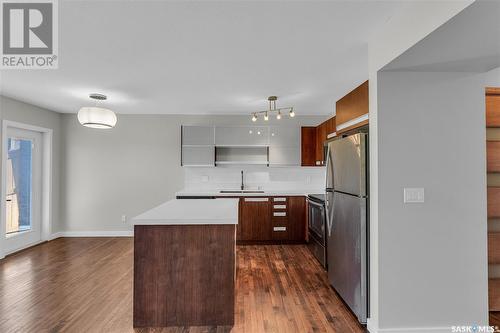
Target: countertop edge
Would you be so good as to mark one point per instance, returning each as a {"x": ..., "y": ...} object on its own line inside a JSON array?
[{"x": 186, "y": 222}]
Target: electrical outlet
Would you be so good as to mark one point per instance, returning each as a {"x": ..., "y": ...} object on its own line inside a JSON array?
[
  {"x": 124, "y": 218},
  {"x": 413, "y": 195}
]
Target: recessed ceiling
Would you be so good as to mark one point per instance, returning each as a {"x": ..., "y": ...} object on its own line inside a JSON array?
[{"x": 204, "y": 57}]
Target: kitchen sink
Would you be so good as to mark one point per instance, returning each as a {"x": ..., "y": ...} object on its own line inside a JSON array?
[{"x": 240, "y": 191}]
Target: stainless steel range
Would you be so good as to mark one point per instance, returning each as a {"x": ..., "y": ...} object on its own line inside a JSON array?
[{"x": 317, "y": 227}]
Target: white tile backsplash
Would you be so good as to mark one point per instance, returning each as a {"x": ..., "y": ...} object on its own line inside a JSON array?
[{"x": 256, "y": 177}]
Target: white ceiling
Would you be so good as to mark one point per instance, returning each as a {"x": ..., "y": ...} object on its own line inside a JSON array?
[
  {"x": 154, "y": 57},
  {"x": 469, "y": 42}
]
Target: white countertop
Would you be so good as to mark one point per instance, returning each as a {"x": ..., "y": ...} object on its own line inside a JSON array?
[
  {"x": 191, "y": 212},
  {"x": 271, "y": 193}
]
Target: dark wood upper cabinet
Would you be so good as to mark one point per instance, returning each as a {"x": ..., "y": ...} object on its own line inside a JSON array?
[
  {"x": 320, "y": 139},
  {"x": 331, "y": 126},
  {"x": 352, "y": 105},
  {"x": 308, "y": 146},
  {"x": 313, "y": 139}
]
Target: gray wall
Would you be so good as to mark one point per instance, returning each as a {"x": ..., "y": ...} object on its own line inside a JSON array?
[
  {"x": 432, "y": 256},
  {"x": 129, "y": 169},
  {"x": 14, "y": 110}
]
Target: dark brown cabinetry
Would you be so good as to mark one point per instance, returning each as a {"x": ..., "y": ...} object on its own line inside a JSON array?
[
  {"x": 320, "y": 139},
  {"x": 313, "y": 139},
  {"x": 269, "y": 219},
  {"x": 308, "y": 146},
  {"x": 331, "y": 126},
  {"x": 352, "y": 106},
  {"x": 255, "y": 221},
  {"x": 186, "y": 263}
]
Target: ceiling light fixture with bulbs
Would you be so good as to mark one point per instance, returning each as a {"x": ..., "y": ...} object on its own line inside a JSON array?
[
  {"x": 95, "y": 116},
  {"x": 273, "y": 109}
]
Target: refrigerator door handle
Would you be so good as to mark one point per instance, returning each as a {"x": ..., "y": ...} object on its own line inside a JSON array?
[
  {"x": 329, "y": 215},
  {"x": 329, "y": 168}
]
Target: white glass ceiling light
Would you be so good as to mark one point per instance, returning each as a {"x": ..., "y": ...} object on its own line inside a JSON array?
[
  {"x": 273, "y": 108},
  {"x": 95, "y": 116}
]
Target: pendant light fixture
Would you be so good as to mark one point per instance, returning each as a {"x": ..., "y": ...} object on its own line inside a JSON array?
[
  {"x": 273, "y": 108},
  {"x": 95, "y": 116}
]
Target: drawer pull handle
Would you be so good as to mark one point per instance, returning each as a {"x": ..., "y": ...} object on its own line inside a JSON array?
[
  {"x": 279, "y": 199},
  {"x": 279, "y": 228},
  {"x": 279, "y": 213},
  {"x": 256, "y": 199},
  {"x": 279, "y": 206}
]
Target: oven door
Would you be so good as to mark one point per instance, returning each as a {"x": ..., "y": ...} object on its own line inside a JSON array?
[{"x": 317, "y": 221}]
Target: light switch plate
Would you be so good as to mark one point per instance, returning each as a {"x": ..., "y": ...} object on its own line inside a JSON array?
[{"x": 413, "y": 195}]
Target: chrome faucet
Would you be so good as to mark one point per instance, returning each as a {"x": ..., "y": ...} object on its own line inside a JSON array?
[{"x": 242, "y": 184}]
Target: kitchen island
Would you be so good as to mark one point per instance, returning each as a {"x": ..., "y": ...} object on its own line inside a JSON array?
[{"x": 184, "y": 263}]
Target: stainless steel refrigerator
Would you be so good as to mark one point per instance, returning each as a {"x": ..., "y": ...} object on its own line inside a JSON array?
[{"x": 347, "y": 220}]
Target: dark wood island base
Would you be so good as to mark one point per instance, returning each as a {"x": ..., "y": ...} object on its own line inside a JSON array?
[{"x": 184, "y": 275}]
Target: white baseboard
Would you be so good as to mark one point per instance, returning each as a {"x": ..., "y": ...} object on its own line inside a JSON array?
[
  {"x": 123, "y": 233},
  {"x": 372, "y": 329},
  {"x": 55, "y": 235}
]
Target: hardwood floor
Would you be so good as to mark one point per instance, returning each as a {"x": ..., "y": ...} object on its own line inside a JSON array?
[
  {"x": 495, "y": 318},
  {"x": 85, "y": 285}
]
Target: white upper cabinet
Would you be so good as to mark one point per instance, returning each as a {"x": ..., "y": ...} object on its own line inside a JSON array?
[
  {"x": 198, "y": 156},
  {"x": 284, "y": 156},
  {"x": 197, "y": 135},
  {"x": 284, "y": 146},
  {"x": 276, "y": 145},
  {"x": 242, "y": 136},
  {"x": 198, "y": 146},
  {"x": 284, "y": 136}
]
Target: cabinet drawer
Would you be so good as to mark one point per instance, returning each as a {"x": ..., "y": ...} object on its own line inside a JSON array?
[
  {"x": 280, "y": 232},
  {"x": 279, "y": 214},
  {"x": 279, "y": 206},
  {"x": 256, "y": 199}
]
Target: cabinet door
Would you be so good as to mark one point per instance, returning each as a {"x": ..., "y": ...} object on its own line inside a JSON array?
[
  {"x": 297, "y": 218},
  {"x": 198, "y": 156},
  {"x": 197, "y": 135},
  {"x": 284, "y": 156},
  {"x": 242, "y": 136},
  {"x": 320, "y": 139},
  {"x": 308, "y": 146},
  {"x": 284, "y": 136},
  {"x": 330, "y": 126},
  {"x": 284, "y": 146},
  {"x": 353, "y": 105},
  {"x": 255, "y": 219}
]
